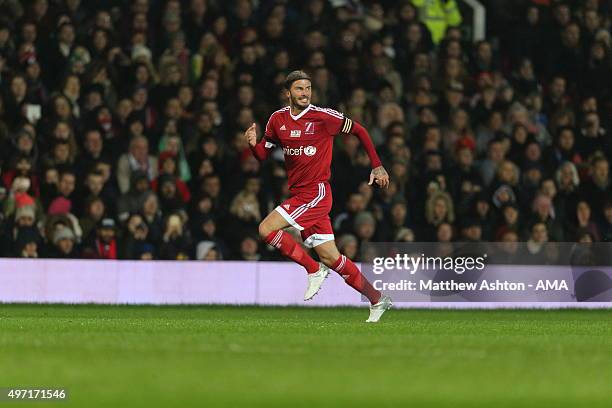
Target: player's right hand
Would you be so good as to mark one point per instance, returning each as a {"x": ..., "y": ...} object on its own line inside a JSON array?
[
  {"x": 379, "y": 176},
  {"x": 251, "y": 135}
]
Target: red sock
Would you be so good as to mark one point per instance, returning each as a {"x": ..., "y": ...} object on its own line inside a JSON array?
[
  {"x": 288, "y": 247},
  {"x": 355, "y": 279}
]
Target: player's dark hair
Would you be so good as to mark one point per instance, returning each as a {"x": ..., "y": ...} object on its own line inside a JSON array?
[{"x": 295, "y": 76}]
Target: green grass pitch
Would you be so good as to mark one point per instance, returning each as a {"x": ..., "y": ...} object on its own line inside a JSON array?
[{"x": 140, "y": 356}]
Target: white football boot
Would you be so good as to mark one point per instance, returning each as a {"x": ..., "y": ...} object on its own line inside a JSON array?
[
  {"x": 377, "y": 310},
  {"x": 315, "y": 280}
]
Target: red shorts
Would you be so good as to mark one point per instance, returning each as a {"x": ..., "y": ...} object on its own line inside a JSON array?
[{"x": 308, "y": 211}]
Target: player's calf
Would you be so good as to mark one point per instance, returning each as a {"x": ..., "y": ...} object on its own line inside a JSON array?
[
  {"x": 289, "y": 248},
  {"x": 355, "y": 279}
]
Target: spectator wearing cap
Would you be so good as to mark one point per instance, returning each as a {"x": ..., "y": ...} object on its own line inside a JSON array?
[
  {"x": 64, "y": 246},
  {"x": 25, "y": 216},
  {"x": 364, "y": 227},
  {"x": 105, "y": 245},
  {"x": 59, "y": 206},
  {"x": 18, "y": 196},
  {"x": 145, "y": 252}
]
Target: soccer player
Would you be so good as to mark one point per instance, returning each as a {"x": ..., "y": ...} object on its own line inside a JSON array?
[{"x": 305, "y": 133}]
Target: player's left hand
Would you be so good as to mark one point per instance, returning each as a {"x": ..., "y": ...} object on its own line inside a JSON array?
[{"x": 379, "y": 176}]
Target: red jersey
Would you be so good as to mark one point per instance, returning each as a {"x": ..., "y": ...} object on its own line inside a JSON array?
[{"x": 307, "y": 141}]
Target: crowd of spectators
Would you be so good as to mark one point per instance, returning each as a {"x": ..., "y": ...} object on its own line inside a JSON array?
[{"x": 121, "y": 123}]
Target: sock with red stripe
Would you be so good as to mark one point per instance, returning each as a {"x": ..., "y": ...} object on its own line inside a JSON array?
[
  {"x": 355, "y": 279},
  {"x": 288, "y": 247}
]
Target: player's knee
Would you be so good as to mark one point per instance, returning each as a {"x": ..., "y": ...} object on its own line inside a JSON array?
[
  {"x": 264, "y": 230},
  {"x": 328, "y": 258}
]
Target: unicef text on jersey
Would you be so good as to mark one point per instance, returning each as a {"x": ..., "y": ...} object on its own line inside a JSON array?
[{"x": 298, "y": 151}]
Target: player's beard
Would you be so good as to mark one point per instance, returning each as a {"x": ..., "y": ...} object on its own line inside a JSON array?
[{"x": 296, "y": 103}]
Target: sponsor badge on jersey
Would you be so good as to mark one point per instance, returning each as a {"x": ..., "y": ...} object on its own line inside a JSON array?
[
  {"x": 295, "y": 133},
  {"x": 309, "y": 128}
]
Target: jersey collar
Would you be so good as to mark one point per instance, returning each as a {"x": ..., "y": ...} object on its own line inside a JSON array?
[{"x": 302, "y": 113}]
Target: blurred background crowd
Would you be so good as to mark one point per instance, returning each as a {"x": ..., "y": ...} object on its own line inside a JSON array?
[{"x": 121, "y": 122}]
